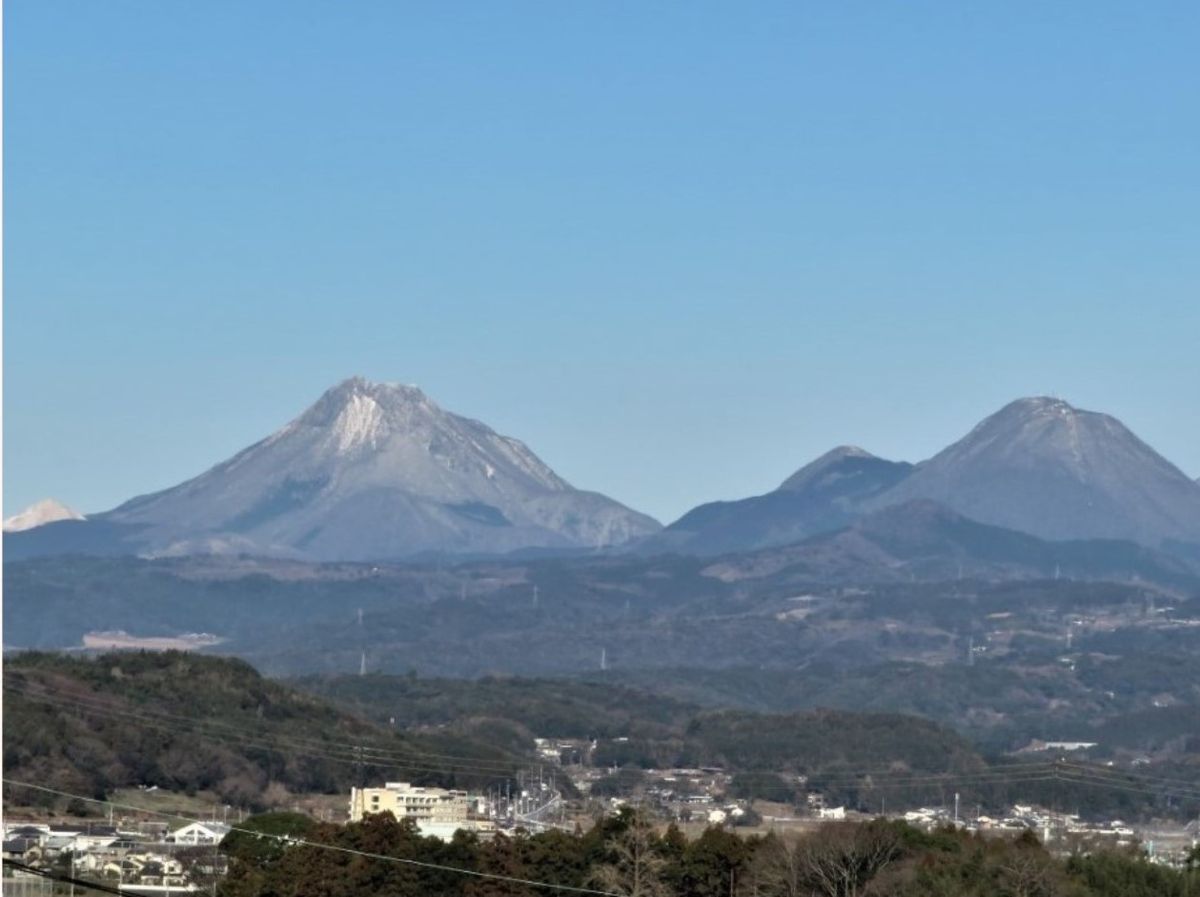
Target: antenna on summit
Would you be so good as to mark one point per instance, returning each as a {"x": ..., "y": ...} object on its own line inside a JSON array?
[{"x": 362, "y": 664}]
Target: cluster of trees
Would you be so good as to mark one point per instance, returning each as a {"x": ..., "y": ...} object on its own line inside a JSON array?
[{"x": 628, "y": 856}]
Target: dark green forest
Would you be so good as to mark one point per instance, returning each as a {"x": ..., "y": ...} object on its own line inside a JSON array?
[{"x": 189, "y": 723}]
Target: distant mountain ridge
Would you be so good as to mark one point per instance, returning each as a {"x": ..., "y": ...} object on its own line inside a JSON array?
[
  {"x": 1038, "y": 466},
  {"x": 370, "y": 471},
  {"x": 380, "y": 472}
]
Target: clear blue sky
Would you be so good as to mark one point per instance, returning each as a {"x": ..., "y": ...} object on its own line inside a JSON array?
[{"x": 679, "y": 249}]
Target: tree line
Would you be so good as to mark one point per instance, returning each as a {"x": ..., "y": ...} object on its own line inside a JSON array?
[{"x": 628, "y": 855}]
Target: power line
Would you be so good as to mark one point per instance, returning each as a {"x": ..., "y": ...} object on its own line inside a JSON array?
[{"x": 289, "y": 841}]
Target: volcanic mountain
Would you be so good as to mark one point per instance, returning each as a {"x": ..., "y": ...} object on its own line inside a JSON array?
[
  {"x": 1038, "y": 466},
  {"x": 825, "y": 495},
  {"x": 371, "y": 471},
  {"x": 1043, "y": 467}
]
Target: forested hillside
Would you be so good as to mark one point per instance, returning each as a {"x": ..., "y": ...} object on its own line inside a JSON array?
[{"x": 188, "y": 723}]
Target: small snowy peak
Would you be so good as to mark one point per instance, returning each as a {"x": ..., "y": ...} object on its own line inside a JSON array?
[{"x": 47, "y": 510}]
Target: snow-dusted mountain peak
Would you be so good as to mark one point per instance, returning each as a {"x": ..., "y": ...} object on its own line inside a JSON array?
[
  {"x": 1040, "y": 407},
  {"x": 377, "y": 470},
  {"x": 48, "y": 510},
  {"x": 360, "y": 393}
]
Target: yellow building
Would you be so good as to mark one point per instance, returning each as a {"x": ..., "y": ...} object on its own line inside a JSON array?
[{"x": 427, "y": 807}]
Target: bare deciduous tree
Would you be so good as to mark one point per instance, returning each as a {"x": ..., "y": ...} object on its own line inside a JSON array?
[
  {"x": 837, "y": 860},
  {"x": 1028, "y": 872},
  {"x": 636, "y": 867},
  {"x": 776, "y": 869}
]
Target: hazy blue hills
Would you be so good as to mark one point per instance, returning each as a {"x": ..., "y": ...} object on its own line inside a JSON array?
[{"x": 924, "y": 540}]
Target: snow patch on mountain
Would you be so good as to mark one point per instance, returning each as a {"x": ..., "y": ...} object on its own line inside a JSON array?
[{"x": 360, "y": 422}]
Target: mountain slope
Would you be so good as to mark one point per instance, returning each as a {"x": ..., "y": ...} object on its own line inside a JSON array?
[
  {"x": 1043, "y": 467},
  {"x": 374, "y": 471},
  {"x": 824, "y": 495}
]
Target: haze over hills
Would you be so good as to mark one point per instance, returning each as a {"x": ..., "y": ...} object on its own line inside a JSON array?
[
  {"x": 1038, "y": 465},
  {"x": 370, "y": 471}
]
